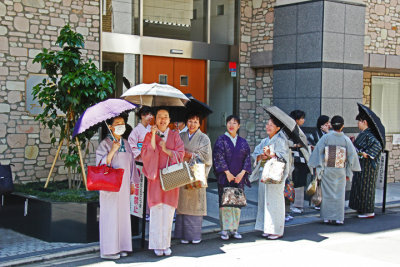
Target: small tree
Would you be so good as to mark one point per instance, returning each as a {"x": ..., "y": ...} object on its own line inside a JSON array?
[{"x": 71, "y": 87}]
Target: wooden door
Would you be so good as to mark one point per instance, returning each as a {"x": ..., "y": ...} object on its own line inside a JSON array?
[{"x": 187, "y": 75}]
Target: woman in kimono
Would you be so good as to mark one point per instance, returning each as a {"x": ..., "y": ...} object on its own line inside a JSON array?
[
  {"x": 271, "y": 204},
  {"x": 300, "y": 171},
  {"x": 192, "y": 205},
  {"x": 362, "y": 195},
  {"x": 115, "y": 218},
  {"x": 232, "y": 165},
  {"x": 136, "y": 138},
  {"x": 334, "y": 170},
  {"x": 159, "y": 145}
]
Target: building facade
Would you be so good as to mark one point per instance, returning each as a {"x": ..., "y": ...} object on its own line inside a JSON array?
[{"x": 319, "y": 56}]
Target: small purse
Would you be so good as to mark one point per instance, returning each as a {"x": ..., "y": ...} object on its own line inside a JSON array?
[
  {"x": 317, "y": 197},
  {"x": 233, "y": 197},
  {"x": 6, "y": 180},
  {"x": 198, "y": 171},
  {"x": 312, "y": 188},
  {"x": 176, "y": 175},
  {"x": 104, "y": 178},
  {"x": 288, "y": 191},
  {"x": 273, "y": 171}
]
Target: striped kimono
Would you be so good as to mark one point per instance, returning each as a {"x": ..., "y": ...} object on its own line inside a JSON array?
[{"x": 362, "y": 195}]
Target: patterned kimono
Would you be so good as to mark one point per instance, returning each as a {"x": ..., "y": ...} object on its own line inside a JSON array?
[
  {"x": 333, "y": 180},
  {"x": 271, "y": 203},
  {"x": 192, "y": 205},
  {"x": 234, "y": 157},
  {"x": 115, "y": 219},
  {"x": 362, "y": 195}
]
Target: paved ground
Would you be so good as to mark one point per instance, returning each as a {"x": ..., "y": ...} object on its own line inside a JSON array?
[
  {"x": 17, "y": 248},
  {"x": 357, "y": 243}
]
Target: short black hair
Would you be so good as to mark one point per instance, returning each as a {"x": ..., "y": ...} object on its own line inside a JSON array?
[
  {"x": 122, "y": 115},
  {"x": 297, "y": 114},
  {"x": 337, "y": 122},
  {"x": 362, "y": 117},
  {"x": 193, "y": 114},
  {"x": 160, "y": 108},
  {"x": 234, "y": 117},
  {"x": 277, "y": 122},
  {"x": 144, "y": 111}
]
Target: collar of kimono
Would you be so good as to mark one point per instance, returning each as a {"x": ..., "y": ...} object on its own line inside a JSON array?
[
  {"x": 121, "y": 141},
  {"x": 232, "y": 139},
  {"x": 163, "y": 135},
  {"x": 191, "y": 135}
]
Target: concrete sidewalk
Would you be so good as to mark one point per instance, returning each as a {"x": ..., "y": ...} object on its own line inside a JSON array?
[{"x": 17, "y": 249}]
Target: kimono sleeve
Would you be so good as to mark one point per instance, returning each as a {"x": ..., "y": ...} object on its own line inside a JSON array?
[
  {"x": 204, "y": 152},
  {"x": 317, "y": 157},
  {"x": 247, "y": 159},
  {"x": 219, "y": 162},
  {"x": 258, "y": 150},
  {"x": 133, "y": 140},
  {"x": 150, "y": 158},
  {"x": 373, "y": 147},
  {"x": 179, "y": 149},
  {"x": 353, "y": 164},
  {"x": 135, "y": 177},
  {"x": 101, "y": 152}
]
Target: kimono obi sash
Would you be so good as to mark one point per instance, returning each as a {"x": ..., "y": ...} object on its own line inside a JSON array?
[{"x": 335, "y": 156}]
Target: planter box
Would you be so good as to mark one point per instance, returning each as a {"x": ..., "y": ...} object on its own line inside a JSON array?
[{"x": 53, "y": 221}]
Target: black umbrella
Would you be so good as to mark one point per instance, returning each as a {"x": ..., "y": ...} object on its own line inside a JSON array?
[
  {"x": 178, "y": 114},
  {"x": 290, "y": 126},
  {"x": 127, "y": 83},
  {"x": 374, "y": 123}
]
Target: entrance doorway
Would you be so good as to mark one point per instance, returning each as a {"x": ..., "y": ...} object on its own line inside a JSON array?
[{"x": 187, "y": 75}]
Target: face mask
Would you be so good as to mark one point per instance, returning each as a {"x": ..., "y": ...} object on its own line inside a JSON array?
[{"x": 119, "y": 129}]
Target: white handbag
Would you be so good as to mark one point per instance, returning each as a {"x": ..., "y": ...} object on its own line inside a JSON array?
[
  {"x": 273, "y": 171},
  {"x": 176, "y": 175}
]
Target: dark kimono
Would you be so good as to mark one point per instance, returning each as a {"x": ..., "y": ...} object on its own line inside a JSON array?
[
  {"x": 235, "y": 158},
  {"x": 362, "y": 195}
]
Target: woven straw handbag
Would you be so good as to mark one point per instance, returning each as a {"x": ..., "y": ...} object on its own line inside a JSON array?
[{"x": 176, "y": 175}]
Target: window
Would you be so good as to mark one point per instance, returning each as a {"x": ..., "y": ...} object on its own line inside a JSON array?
[
  {"x": 220, "y": 10},
  {"x": 184, "y": 80},
  {"x": 163, "y": 79},
  {"x": 385, "y": 99}
]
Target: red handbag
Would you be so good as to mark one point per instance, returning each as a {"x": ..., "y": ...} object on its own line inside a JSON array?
[{"x": 104, "y": 178}]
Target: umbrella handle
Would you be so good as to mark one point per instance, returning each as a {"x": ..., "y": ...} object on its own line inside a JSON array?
[{"x": 110, "y": 132}]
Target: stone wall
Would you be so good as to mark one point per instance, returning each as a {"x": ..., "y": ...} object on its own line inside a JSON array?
[
  {"x": 256, "y": 31},
  {"x": 26, "y": 27},
  {"x": 394, "y": 150},
  {"x": 382, "y": 27}
]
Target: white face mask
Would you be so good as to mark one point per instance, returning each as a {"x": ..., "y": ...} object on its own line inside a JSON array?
[{"x": 119, "y": 129}]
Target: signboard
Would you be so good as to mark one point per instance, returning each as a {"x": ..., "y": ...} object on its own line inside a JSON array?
[
  {"x": 137, "y": 199},
  {"x": 32, "y": 105},
  {"x": 232, "y": 69},
  {"x": 396, "y": 139},
  {"x": 380, "y": 180}
]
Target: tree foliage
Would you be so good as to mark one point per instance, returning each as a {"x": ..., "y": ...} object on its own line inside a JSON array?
[{"x": 71, "y": 87}]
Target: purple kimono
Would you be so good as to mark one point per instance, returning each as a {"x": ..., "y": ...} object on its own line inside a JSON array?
[{"x": 227, "y": 156}]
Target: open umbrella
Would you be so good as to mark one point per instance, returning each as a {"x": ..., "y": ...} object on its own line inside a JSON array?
[
  {"x": 100, "y": 112},
  {"x": 290, "y": 126},
  {"x": 154, "y": 94},
  {"x": 374, "y": 123},
  {"x": 178, "y": 114}
]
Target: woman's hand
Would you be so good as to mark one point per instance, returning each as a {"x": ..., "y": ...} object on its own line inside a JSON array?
[
  {"x": 229, "y": 176},
  {"x": 365, "y": 155},
  {"x": 239, "y": 177},
  {"x": 187, "y": 156},
  {"x": 262, "y": 157},
  {"x": 115, "y": 147},
  {"x": 132, "y": 189},
  {"x": 154, "y": 129}
]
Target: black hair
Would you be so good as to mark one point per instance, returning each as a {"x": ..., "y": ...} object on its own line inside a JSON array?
[
  {"x": 362, "y": 117},
  {"x": 193, "y": 114},
  {"x": 122, "y": 115},
  {"x": 337, "y": 122},
  {"x": 322, "y": 120},
  {"x": 144, "y": 111},
  {"x": 234, "y": 117},
  {"x": 277, "y": 122},
  {"x": 156, "y": 110},
  {"x": 297, "y": 114}
]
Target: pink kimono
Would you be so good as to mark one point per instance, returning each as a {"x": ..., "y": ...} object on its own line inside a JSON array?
[
  {"x": 153, "y": 161},
  {"x": 136, "y": 139},
  {"x": 115, "y": 218}
]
